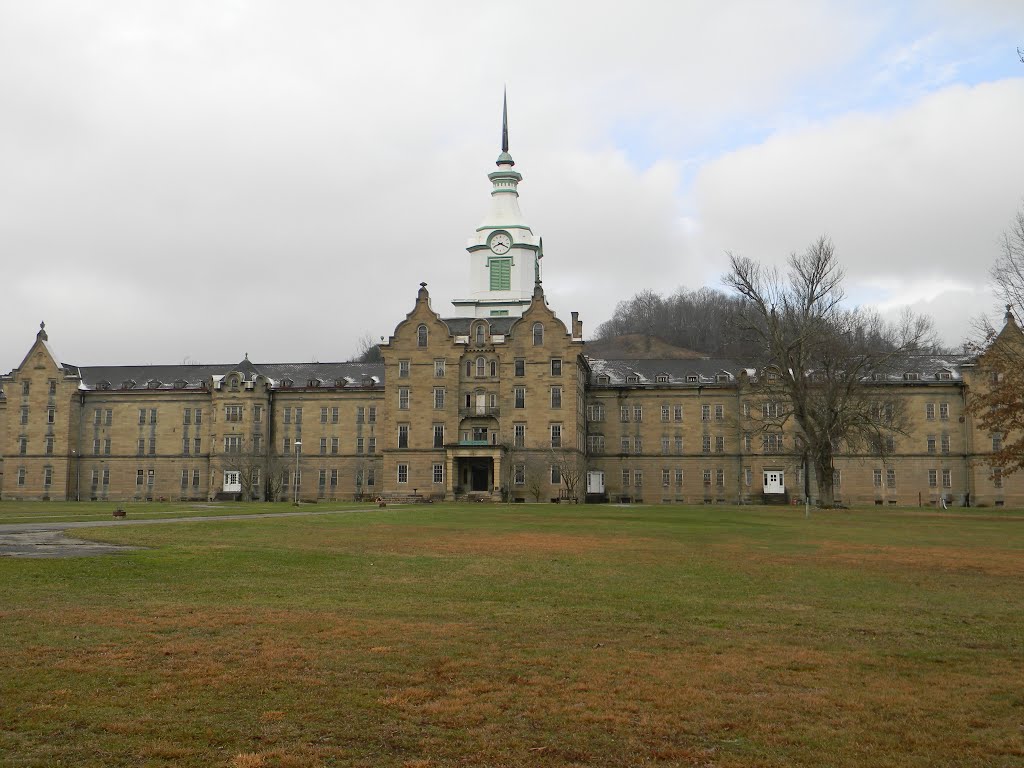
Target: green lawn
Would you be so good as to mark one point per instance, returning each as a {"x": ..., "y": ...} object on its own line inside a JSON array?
[{"x": 522, "y": 635}]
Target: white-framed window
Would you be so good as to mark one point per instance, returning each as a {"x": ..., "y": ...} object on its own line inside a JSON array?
[
  {"x": 947, "y": 478},
  {"x": 666, "y": 477},
  {"x": 334, "y": 445},
  {"x": 556, "y": 435},
  {"x": 538, "y": 334},
  {"x": 625, "y": 478},
  {"x": 944, "y": 442},
  {"x": 403, "y": 369},
  {"x": 929, "y": 411},
  {"x": 679, "y": 445},
  {"x": 556, "y": 366},
  {"x": 257, "y": 414},
  {"x": 438, "y": 369},
  {"x": 439, "y": 435},
  {"x": 665, "y": 412},
  {"x": 705, "y": 443},
  {"x": 638, "y": 413},
  {"x": 944, "y": 411},
  {"x": 371, "y": 414},
  {"x": 720, "y": 478},
  {"x": 890, "y": 478},
  {"x": 403, "y": 436},
  {"x": 421, "y": 336},
  {"x": 664, "y": 446},
  {"x": 595, "y": 412},
  {"x": 519, "y": 474},
  {"x": 638, "y": 445},
  {"x": 232, "y": 413},
  {"x": 519, "y": 394},
  {"x": 323, "y": 446},
  {"x": 403, "y": 398},
  {"x": 719, "y": 412},
  {"x": 933, "y": 478},
  {"x": 403, "y": 473},
  {"x": 232, "y": 444},
  {"x": 438, "y": 472},
  {"x": 519, "y": 367},
  {"x": 705, "y": 413},
  {"x": 677, "y": 413},
  {"x": 595, "y": 443},
  {"x": 930, "y": 442},
  {"x": 997, "y": 442},
  {"x": 519, "y": 434},
  {"x": 719, "y": 444},
  {"x": 438, "y": 398},
  {"x": 556, "y": 397},
  {"x": 624, "y": 413},
  {"x": 638, "y": 478}
]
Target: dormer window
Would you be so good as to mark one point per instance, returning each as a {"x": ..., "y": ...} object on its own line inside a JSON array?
[
  {"x": 943, "y": 375},
  {"x": 604, "y": 379},
  {"x": 421, "y": 336},
  {"x": 912, "y": 376},
  {"x": 103, "y": 385},
  {"x": 287, "y": 383},
  {"x": 722, "y": 378},
  {"x": 480, "y": 367},
  {"x": 691, "y": 378},
  {"x": 180, "y": 384},
  {"x": 480, "y": 334},
  {"x": 632, "y": 379},
  {"x": 153, "y": 384},
  {"x": 661, "y": 378},
  {"x": 128, "y": 384}
]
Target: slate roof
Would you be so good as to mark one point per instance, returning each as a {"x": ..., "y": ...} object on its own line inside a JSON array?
[
  {"x": 461, "y": 326},
  {"x": 196, "y": 376}
]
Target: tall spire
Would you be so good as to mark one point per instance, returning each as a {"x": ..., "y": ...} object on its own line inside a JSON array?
[
  {"x": 504, "y": 158},
  {"x": 504, "y": 120}
]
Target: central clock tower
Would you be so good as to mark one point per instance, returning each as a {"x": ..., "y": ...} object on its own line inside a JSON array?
[{"x": 504, "y": 254}]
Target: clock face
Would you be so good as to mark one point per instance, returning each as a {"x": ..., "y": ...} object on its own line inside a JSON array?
[{"x": 500, "y": 242}]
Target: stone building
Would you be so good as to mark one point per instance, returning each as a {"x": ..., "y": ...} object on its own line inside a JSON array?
[{"x": 497, "y": 401}]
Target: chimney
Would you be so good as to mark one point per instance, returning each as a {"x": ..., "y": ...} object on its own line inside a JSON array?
[{"x": 577, "y": 326}]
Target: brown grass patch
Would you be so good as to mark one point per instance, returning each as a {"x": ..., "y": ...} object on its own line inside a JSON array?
[{"x": 980, "y": 560}]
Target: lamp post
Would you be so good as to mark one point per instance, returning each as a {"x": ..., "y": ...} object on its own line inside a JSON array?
[{"x": 298, "y": 447}]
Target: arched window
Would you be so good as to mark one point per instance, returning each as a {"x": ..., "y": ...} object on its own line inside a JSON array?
[
  {"x": 494, "y": 368},
  {"x": 421, "y": 336},
  {"x": 481, "y": 334},
  {"x": 538, "y": 334},
  {"x": 469, "y": 368},
  {"x": 480, "y": 367}
]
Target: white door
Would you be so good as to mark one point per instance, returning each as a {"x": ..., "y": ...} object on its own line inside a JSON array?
[
  {"x": 595, "y": 482},
  {"x": 232, "y": 481},
  {"x": 774, "y": 481}
]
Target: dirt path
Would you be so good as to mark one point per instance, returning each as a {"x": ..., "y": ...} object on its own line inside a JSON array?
[{"x": 50, "y": 539}]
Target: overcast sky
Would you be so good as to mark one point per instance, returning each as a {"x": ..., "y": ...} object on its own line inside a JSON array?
[{"x": 194, "y": 181}]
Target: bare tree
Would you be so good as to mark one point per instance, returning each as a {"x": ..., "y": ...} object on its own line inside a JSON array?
[
  {"x": 259, "y": 471},
  {"x": 570, "y": 470},
  {"x": 367, "y": 350},
  {"x": 535, "y": 475},
  {"x": 817, "y": 358}
]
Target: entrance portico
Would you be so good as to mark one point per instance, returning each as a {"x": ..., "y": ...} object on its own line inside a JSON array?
[{"x": 473, "y": 470}]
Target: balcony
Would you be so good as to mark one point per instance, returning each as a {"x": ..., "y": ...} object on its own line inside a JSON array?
[
  {"x": 479, "y": 410},
  {"x": 474, "y": 443}
]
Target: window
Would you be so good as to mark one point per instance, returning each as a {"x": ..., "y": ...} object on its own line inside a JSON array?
[
  {"x": 403, "y": 369},
  {"x": 747, "y": 442},
  {"x": 719, "y": 444},
  {"x": 679, "y": 445},
  {"x": 519, "y": 435},
  {"x": 196, "y": 446},
  {"x": 233, "y": 444},
  {"x": 96, "y": 447},
  {"x": 257, "y": 444},
  {"x": 49, "y": 446},
  {"x": 944, "y": 443},
  {"x": 287, "y": 415},
  {"x": 323, "y": 415},
  {"x": 152, "y": 415},
  {"x": 720, "y": 478},
  {"x": 625, "y": 478},
  {"x": 421, "y": 336},
  {"x": 371, "y": 445},
  {"x": 403, "y": 435},
  {"x": 439, "y": 435},
  {"x": 520, "y": 397},
  {"x": 520, "y": 367},
  {"x": 21, "y": 476},
  {"x": 257, "y": 414},
  {"x": 719, "y": 413},
  {"x": 890, "y": 478},
  {"x": 403, "y": 473},
  {"x": 595, "y": 443},
  {"x": 556, "y": 475},
  {"x": 666, "y": 477},
  {"x": 438, "y": 473},
  {"x": 947, "y": 478},
  {"x": 538, "y": 334},
  {"x": 438, "y": 397},
  {"x": 403, "y": 398},
  {"x": 997, "y": 477},
  {"x": 287, "y": 445},
  {"x": 140, "y": 477},
  {"x": 323, "y": 446},
  {"x": 24, "y": 414},
  {"x": 184, "y": 479},
  {"x": 51, "y": 415},
  {"x": 677, "y": 413},
  {"x": 556, "y": 397},
  {"x": 933, "y": 478},
  {"x": 198, "y": 415},
  {"x": 232, "y": 413},
  {"x": 334, "y": 446},
  {"x": 705, "y": 413},
  {"x": 664, "y": 446},
  {"x": 929, "y": 411},
  {"x": 705, "y": 443},
  {"x": 186, "y": 416},
  {"x": 638, "y": 413},
  {"x": 997, "y": 442},
  {"x": 97, "y": 416},
  {"x": 500, "y": 274},
  {"x": 624, "y": 444},
  {"x": 707, "y": 477},
  {"x": 556, "y": 366},
  {"x": 931, "y": 443},
  {"x": 480, "y": 367},
  {"x": 298, "y": 415},
  {"x": 679, "y": 477},
  {"x": 142, "y": 415},
  {"x": 360, "y": 443},
  {"x": 664, "y": 413},
  {"x": 360, "y": 414},
  {"x": 142, "y": 446},
  {"x": 152, "y": 446},
  {"x": 322, "y": 480},
  {"x": 184, "y": 445},
  {"x": 944, "y": 411},
  {"x": 519, "y": 474},
  {"x": 371, "y": 414},
  {"x": 556, "y": 435},
  {"x": 595, "y": 412},
  {"x": 772, "y": 442},
  {"x": 638, "y": 446},
  {"x": 748, "y": 476}
]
